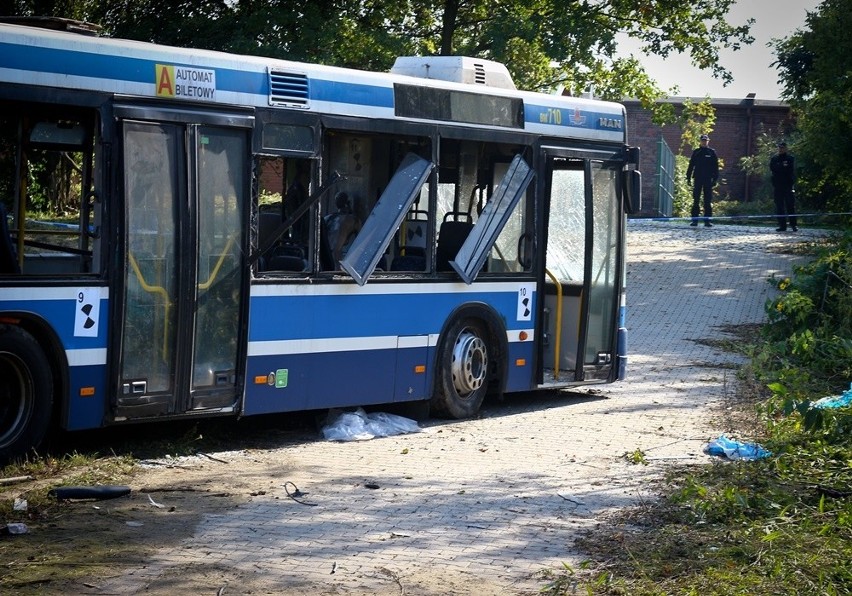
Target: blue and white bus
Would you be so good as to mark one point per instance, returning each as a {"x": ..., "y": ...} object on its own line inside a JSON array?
[{"x": 192, "y": 233}]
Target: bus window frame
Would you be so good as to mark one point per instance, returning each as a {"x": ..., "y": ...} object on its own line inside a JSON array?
[
  {"x": 492, "y": 220},
  {"x": 266, "y": 117},
  {"x": 387, "y": 214}
]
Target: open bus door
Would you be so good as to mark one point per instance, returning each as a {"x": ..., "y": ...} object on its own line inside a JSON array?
[
  {"x": 582, "y": 290},
  {"x": 186, "y": 190}
]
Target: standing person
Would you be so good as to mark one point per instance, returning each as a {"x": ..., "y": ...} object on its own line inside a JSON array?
[
  {"x": 783, "y": 168},
  {"x": 702, "y": 173}
]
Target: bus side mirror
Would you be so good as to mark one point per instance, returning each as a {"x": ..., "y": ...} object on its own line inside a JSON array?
[{"x": 632, "y": 191}]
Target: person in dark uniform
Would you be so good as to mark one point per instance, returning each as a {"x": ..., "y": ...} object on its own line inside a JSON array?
[
  {"x": 702, "y": 173},
  {"x": 783, "y": 168}
]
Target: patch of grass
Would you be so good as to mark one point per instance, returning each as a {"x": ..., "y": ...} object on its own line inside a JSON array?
[
  {"x": 728, "y": 528},
  {"x": 49, "y": 472}
]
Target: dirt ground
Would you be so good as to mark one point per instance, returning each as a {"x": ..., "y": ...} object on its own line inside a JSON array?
[
  {"x": 80, "y": 545},
  {"x": 466, "y": 507}
]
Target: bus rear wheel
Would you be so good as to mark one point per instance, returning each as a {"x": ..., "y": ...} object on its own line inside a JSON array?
[
  {"x": 462, "y": 370},
  {"x": 26, "y": 393}
]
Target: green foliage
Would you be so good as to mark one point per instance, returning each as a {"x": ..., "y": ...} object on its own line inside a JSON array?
[
  {"x": 637, "y": 456},
  {"x": 813, "y": 66},
  {"x": 682, "y": 201},
  {"x": 546, "y": 44},
  {"x": 757, "y": 165},
  {"x": 749, "y": 211},
  {"x": 809, "y": 329}
]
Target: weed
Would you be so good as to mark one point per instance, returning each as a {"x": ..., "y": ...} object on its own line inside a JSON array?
[{"x": 636, "y": 457}]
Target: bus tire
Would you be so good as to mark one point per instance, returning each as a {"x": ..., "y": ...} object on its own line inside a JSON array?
[
  {"x": 26, "y": 393},
  {"x": 463, "y": 362}
]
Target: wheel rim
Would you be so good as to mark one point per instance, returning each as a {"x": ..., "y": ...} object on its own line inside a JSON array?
[
  {"x": 16, "y": 397},
  {"x": 470, "y": 363}
]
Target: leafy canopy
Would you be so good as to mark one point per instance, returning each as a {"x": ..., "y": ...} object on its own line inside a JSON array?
[
  {"x": 814, "y": 69},
  {"x": 546, "y": 44}
]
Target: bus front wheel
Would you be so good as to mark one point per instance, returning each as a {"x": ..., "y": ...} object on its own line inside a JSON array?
[
  {"x": 462, "y": 370},
  {"x": 26, "y": 393}
]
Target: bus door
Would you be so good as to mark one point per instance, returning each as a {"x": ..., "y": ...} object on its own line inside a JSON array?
[
  {"x": 582, "y": 285},
  {"x": 186, "y": 190}
]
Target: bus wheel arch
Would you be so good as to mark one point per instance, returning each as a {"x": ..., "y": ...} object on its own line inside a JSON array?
[
  {"x": 26, "y": 392},
  {"x": 470, "y": 361}
]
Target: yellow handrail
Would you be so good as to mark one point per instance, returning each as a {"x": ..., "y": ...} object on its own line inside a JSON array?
[
  {"x": 155, "y": 290},
  {"x": 557, "y": 347},
  {"x": 215, "y": 272}
]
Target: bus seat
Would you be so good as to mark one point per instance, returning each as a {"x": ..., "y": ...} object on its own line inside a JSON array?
[
  {"x": 8, "y": 256},
  {"x": 414, "y": 233},
  {"x": 450, "y": 240},
  {"x": 288, "y": 257},
  {"x": 409, "y": 262}
]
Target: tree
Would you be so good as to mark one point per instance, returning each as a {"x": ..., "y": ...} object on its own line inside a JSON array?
[
  {"x": 546, "y": 44},
  {"x": 814, "y": 70}
]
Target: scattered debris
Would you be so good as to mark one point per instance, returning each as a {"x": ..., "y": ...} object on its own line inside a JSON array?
[
  {"x": 834, "y": 493},
  {"x": 835, "y": 401},
  {"x": 20, "y": 504},
  {"x": 208, "y": 456},
  {"x": 296, "y": 494},
  {"x": 731, "y": 449},
  {"x": 570, "y": 499},
  {"x": 14, "y": 528},
  {"x": 360, "y": 426},
  {"x": 154, "y": 503},
  {"x": 15, "y": 479},
  {"x": 98, "y": 493}
]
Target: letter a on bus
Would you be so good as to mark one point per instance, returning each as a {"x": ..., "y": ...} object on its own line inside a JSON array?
[{"x": 165, "y": 80}]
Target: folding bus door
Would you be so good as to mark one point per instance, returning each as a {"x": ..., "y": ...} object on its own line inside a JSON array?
[
  {"x": 582, "y": 283},
  {"x": 186, "y": 189}
]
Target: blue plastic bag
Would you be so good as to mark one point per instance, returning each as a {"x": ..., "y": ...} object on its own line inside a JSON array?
[
  {"x": 731, "y": 449},
  {"x": 835, "y": 401}
]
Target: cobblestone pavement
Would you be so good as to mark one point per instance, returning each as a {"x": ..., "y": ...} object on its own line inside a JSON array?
[{"x": 480, "y": 506}]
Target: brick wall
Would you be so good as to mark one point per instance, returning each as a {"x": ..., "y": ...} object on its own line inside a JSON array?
[{"x": 739, "y": 122}]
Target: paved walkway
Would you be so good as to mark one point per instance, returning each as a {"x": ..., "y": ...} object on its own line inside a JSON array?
[{"x": 479, "y": 506}]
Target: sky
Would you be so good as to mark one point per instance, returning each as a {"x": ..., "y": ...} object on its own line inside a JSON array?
[{"x": 750, "y": 65}]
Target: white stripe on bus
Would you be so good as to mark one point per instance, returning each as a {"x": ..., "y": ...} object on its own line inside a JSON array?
[{"x": 286, "y": 347}]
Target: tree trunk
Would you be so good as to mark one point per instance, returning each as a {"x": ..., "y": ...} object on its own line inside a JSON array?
[{"x": 448, "y": 26}]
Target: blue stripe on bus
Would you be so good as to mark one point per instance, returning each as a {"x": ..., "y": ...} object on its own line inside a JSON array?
[
  {"x": 351, "y": 93},
  {"x": 138, "y": 70},
  {"x": 60, "y": 315},
  {"x": 295, "y": 317},
  {"x": 318, "y": 381},
  {"x": 573, "y": 117},
  {"x": 141, "y": 71},
  {"x": 119, "y": 68}
]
